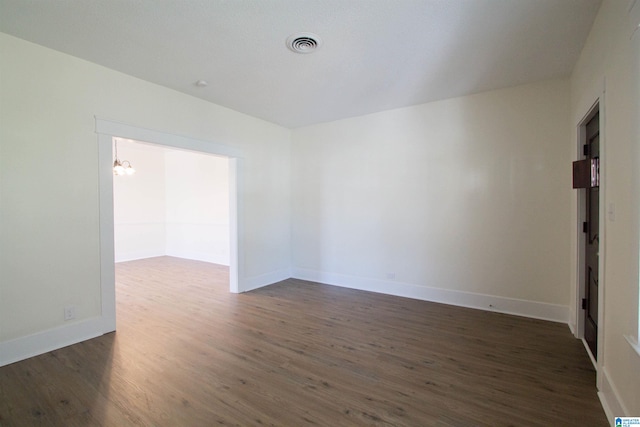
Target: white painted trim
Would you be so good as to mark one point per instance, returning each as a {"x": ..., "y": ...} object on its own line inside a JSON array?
[
  {"x": 107, "y": 245},
  {"x": 255, "y": 282},
  {"x": 236, "y": 218},
  {"x": 106, "y": 131},
  {"x": 610, "y": 399},
  {"x": 132, "y": 256},
  {"x": 199, "y": 256},
  {"x": 588, "y": 351},
  {"x": 633, "y": 343},
  {"x": 42, "y": 342},
  {"x": 193, "y": 255},
  {"x": 112, "y": 128},
  {"x": 518, "y": 307}
]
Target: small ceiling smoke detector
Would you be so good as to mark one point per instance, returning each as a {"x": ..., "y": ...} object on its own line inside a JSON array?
[
  {"x": 304, "y": 42},
  {"x": 201, "y": 83}
]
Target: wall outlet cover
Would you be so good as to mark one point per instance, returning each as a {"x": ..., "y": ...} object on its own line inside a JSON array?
[{"x": 70, "y": 312}]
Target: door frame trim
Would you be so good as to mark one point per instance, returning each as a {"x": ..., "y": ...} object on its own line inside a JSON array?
[{"x": 107, "y": 130}]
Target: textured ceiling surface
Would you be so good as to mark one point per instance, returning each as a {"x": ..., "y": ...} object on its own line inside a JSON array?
[{"x": 376, "y": 54}]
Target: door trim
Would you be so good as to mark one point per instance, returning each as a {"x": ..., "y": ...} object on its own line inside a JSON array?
[{"x": 106, "y": 131}]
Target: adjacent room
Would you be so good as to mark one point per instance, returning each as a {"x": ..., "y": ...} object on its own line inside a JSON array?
[
  {"x": 408, "y": 213},
  {"x": 173, "y": 203},
  {"x": 172, "y": 208}
]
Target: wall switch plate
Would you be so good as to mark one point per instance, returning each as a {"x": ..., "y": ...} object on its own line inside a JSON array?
[{"x": 70, "y": 312}]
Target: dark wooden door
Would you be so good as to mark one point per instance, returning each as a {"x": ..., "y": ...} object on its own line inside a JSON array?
[{"x": 592, "y": 239}]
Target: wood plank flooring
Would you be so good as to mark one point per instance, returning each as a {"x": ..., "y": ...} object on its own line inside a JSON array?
[{"x": 189, "y": 353}]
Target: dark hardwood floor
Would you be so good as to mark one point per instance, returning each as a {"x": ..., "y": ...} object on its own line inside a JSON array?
[{"x": 189, "y": 353}]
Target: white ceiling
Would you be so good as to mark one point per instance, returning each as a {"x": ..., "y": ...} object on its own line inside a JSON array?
[{"x": 376, "y": 54}]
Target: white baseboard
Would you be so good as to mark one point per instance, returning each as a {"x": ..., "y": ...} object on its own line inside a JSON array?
[
  {"x": 610, "y": 399},
  {"x": 133, "y": 256},
  {"x": 42, "y": 342},
  {"x": 200, "y": 256},
  {"x": 250, "y": 283},
  {"x": 197, "y": 256},
  {"x": 518, "y": 307},
  {"x": 587, "y": 350}
]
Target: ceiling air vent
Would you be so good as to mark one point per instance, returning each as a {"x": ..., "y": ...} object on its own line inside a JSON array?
[{"x": 304, "y": 42}]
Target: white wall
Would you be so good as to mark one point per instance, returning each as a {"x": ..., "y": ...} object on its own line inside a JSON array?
[
  {"x": 49, "y": 228},
  {"x": 606, "y": 68},
  {"x": 139, "y": 204},
  {"x": 197, "y": 206},
  {"x": 465, "y": 201},
  {"x": 177, "y": 204}
]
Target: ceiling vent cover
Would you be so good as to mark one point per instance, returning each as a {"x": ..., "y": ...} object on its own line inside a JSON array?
[{"x": 304, "y": 42}]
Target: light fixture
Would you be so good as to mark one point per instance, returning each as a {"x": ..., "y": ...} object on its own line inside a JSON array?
[{"x": 122, "y": 167}]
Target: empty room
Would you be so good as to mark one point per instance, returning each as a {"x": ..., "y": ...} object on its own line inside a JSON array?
[{"x": 428, "y": 213}]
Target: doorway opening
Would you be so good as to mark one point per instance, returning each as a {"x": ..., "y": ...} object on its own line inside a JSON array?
[
  {"x": 590, "y": 242},
  {"x": 107, "y": 131},
  {"x": 177, "y": 204}
]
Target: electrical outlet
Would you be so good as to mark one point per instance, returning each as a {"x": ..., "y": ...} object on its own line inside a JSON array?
[
  {"x": 70, "y": 312},
  {"x": 391, "y": 276}
]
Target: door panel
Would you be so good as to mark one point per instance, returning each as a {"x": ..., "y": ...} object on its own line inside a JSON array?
[{"x": 592, "y": 241}]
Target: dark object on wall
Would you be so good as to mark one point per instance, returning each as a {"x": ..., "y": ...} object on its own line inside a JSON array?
[
  {"x": 582, "y": 174},
  {"x": 586, "y": 173}
]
